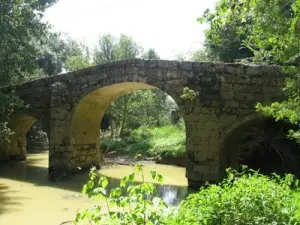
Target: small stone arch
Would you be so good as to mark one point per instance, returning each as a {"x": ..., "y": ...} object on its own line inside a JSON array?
[
  {"x": 15, "y": 147},
  {"x": 231, "y": 139},
  {"x": 86, "y": 116}
]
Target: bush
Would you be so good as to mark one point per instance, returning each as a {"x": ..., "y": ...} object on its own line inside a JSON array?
[
  {"x": 128, "y": 204},
  {"x": 243, "y": 198},
  {"x": 156, "y": 142},
  {"x": 112, "y": 145},
  {"x": 168, "y": 141},
  {"x": 141, "y": 133}
]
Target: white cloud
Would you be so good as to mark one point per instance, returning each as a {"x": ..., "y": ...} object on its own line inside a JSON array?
[{"x": 169, "y": 26}]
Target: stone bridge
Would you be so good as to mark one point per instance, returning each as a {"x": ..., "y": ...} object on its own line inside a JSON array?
[{"x": 71, "y": 106}]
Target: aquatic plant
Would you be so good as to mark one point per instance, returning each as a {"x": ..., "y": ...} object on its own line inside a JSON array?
[{"x": 130, "y": 203}]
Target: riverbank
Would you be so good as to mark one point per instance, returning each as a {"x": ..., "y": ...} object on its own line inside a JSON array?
[
  {"x": 164, "y": 145},
  {"x": 115, "y": 158}
]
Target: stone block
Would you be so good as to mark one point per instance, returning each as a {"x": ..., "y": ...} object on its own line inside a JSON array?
[
  {"x": 226, "y": 95},
  {"x": 269, "y": 89},
  {"x": 234, "y": 104},
  {"x": 211, "y": 125},
  {"x": 226, "y": 92},
  {"x": 228, "y": 118},
  {"x": 206, "y": 110},
  {"x": 201, "y": 155}
]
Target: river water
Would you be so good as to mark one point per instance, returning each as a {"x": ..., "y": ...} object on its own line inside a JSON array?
[{"x": 28, "y": 197}]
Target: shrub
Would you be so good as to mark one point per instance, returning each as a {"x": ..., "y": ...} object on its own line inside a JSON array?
[
  {"x": 157, "y": 142},
  {"x": 243, "y": 198},
  {"x": 167, "y": 141},
  {"x": 131, "y": 204},
  {"x": 112, "y": 144},
  {"x": 141, "y": 133}
]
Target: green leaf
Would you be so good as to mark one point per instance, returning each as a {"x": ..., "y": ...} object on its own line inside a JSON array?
[
  {"x": 90, "y": 184},
  {"x": 84, "y": 189},
  {"x": 103, "y": 182},
  {"x": 153, "y": 174}
]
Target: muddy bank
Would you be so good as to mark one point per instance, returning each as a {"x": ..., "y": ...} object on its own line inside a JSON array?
[{"x": 115, "y": 158}]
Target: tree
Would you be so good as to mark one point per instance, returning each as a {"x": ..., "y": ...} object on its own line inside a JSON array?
[
  {"x": 111, "y": 49},
  {"x": 182, "y": 57},
  {"x": 279, "y": 44},
  {"x": 130, "y": 110},
  {"x": 106, "y": 51},
  {"x": 21, "y": 35},
  {"x": 151, "y": 54},
  {"x": 80, "y": 59},
  {"x": 225, "y": 37},
  {"x": 60, "y": 52},
  {"x": 127, "y": 48},
  {"x": 270, "y": 31},
  {"x": 201, "y": 55}
]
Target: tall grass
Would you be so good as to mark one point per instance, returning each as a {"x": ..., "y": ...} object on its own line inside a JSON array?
[{"x": 156, "y": 142}]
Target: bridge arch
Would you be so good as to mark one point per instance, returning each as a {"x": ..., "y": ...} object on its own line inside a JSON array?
[
  {"x": 88, "y": 113},
  {"x": 224, "y": 92},
  {"x": 15, "y": 147},
  {"x": 232, "y": 139}
]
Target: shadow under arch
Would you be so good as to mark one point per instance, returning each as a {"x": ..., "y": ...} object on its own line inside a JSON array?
[
  {"x": 87, "y": 116},
  {"x": 85, "y": 128},
  {"x": 15, "y": 147},
  {"x": 232, "y": 139}
]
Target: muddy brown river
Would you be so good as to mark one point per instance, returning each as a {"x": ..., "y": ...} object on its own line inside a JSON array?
[{"x": 28, "y": 197}]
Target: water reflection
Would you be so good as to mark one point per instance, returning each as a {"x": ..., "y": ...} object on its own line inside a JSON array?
[
  {"x": 28, "y": 197},
  {"x": 171, "y": 194}
]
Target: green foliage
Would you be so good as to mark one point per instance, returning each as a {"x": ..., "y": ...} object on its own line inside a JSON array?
[
  {"x": 228, "y": 30},
  {"x": 167, "y": 141},
  {"x": 112, "y": 144},
  {"x": 245, "y": 197},
  {"x": 149, "y": 107},
  {"x": 132, "y": 109},
  {"x": 155, "y": 142},
  {"x": 59, "y": 52},
  {"x": 201, "y": 56},
  {"x": 111, "y": 49},
  {"x": 127, "y": 204},
  {"x": 80, "y": 58},
  {"x": 8, "y": 103},
  {"x": 258, "y": 30},
  {"x": 278, "y": 44},
  {"x": 261, "y": 32},
  {"x": 188, "y": 94},
  {"x": 21, "y": 34},
  {"x": 151, "y": 54},
  {"x": 288, "y": 111}
]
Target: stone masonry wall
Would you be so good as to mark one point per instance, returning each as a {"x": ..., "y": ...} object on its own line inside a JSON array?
[{"x": 226, "y": 95}]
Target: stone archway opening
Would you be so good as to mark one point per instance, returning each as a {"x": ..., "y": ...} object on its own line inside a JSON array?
[
  {"x": 262, "y": 144},
  {"x": 93, "y": 114},
  {"x": 15, "y": 147},
  {"x": 37, "y": 138}
]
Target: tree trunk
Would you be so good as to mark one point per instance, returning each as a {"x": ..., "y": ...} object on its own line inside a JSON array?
[
  {"x": 124, "y": 116},
  {"x": 112, "y": 129}
]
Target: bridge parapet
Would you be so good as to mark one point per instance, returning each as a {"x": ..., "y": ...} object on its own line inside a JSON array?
[{"x": 73, "y": 104}]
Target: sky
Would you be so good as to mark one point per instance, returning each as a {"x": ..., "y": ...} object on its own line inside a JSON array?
[{"x": 168, "y": 26}]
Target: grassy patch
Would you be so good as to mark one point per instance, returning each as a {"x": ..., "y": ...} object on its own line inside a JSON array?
[{"x": 156, "y": 142}]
